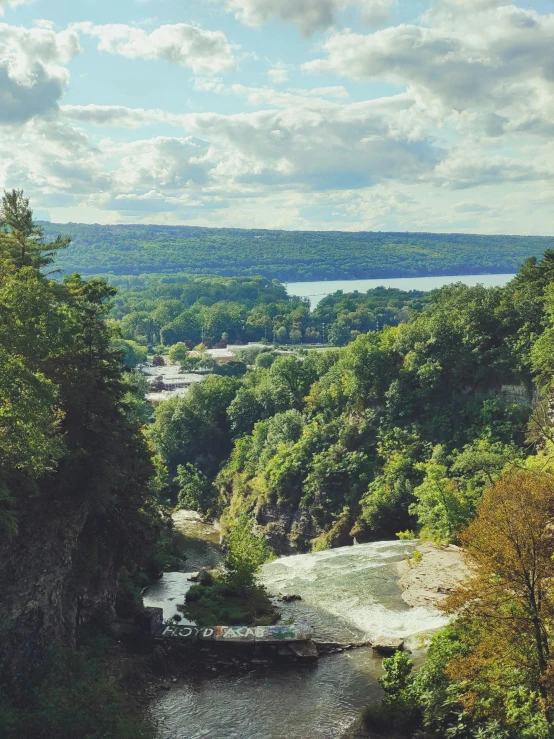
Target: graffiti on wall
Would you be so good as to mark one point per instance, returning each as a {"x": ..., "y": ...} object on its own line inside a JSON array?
[{"x": 292, "y": 632}]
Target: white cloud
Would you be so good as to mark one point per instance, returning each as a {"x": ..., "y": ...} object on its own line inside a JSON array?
[
  {"x": 51, "y": 158},
  {"x": 205, "y": 52},
  {"x": 33, "y": 77},
  {"x": 302, "y": 142},
  {"x": 478, "y": 81},
  {"x": 278, "y": 76},
  {"x": 467, "y": 169},
  {"x": 117, "y": 115},
  {"x": 308, "y": 15},
  {"x": 162, "y": 162},
  {"x": 335, "y": 91},
  {"x": 486, "y": 57},
  {"x": 11, "y": 4}
]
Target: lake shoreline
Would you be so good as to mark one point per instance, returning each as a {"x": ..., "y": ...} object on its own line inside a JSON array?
[{"x": 320, "y": 289}]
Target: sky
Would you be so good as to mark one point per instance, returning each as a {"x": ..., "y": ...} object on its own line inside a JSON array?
[{"x": 356, "y": 115}]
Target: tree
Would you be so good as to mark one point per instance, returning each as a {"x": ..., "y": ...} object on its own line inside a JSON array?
[
  {"x": 196, "y": 493},
  {"x": 245, "y": 554},
  {"x": 281, "y": 334},
  {"x": 133, "y": 353},
  {"x": 339, "y": 333},
  {"x": 296, "y": 336},
  {"x": 21, "y": 239},
  {"x": 231, "y": 369},
  {"x": 443, "y": 507},
  {"x": 510, "y": 545},
  {"x": 178, "y": 353},
  {"x": 399, "y": 701},
  {"x": 265, "y": 359},
  {"x": 74, "y": 465}
]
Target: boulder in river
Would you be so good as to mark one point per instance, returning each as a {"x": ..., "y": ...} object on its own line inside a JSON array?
[
  {"x": 387, "y": 645},
  {"x": 304, "y": 649},
  {"x": 290, "y": 598}
]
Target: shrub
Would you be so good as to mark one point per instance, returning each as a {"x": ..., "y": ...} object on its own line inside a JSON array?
[
  {"x": 407, "y": 535},
  {"x": 221, "y": 603}
]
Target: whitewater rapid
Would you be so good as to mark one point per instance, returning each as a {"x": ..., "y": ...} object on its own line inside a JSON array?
[{"x": 348, "y": 594}]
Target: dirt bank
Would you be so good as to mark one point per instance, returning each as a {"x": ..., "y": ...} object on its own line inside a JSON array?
[{"x": 429, "y": 581}]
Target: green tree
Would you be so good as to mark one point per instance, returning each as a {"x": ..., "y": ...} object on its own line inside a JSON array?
[
  {"x": 443, "y": 507},
  {"x": 132, "y": 352},
  {"x": 245, "y": 554},
  {"x": 339, "y": 333},
  {"x": 21, "y": 239},
  {"x": 281, "y": 334},
  {"x": 196, "y": 493},
  {"x": 178, "y": 353}
]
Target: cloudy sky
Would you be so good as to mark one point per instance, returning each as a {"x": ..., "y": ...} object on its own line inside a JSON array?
[{"x": 298, "y": 114}]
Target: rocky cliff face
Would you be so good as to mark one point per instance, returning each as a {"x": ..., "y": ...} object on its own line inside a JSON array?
[
  {"x": 288, "y": 529},
  {"x": 54, "y": 575}
]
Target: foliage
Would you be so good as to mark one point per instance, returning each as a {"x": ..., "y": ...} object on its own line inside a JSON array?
[
  {"x": 70, "y": 440},
  {"x": 205, "y": 311},
  {"x": 133, "y": 353},
  {"x": 289, "y": 255},
  {"x": 178, "y": 353},
  {"x": 220, "y": 603},
  {"x": 231, "y": 369},
  {"x": 489, "y": 674},
  {"x": 195, "y": 429},
  {"x": 417, "y": 557},
  {"x": 234, "y": 597},
  {"x": 21, "y": 239},
  {"x": 511, "y": 543},
  {"x": 407, "y": 535},
  {"x": 448, "y": 497},
  {"x": 404, "y": 427},
  {"x": 196, "y": 492},
  {"x": 72, "y": 696},
  {"x": 245, "y": 554}
]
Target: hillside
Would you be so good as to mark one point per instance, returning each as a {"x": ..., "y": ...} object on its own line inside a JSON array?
[{"x": 287, "y": 255}]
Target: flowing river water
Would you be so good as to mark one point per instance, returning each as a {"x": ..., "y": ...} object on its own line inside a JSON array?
[{"x": 348, "y": 594}]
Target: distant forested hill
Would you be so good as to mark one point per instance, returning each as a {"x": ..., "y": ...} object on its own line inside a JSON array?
[{"x": 288, "y": 255}]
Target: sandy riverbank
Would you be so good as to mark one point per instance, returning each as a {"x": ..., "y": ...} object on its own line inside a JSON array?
[{"x": 428, "y": 582}]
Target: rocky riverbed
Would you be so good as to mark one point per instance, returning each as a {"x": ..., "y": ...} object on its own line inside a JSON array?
[{"x": 426, "y": 583}]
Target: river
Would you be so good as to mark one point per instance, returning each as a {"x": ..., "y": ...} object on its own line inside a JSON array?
[
  {"x": 316, "y": 291},
  {"x": 348, "y": 594}
]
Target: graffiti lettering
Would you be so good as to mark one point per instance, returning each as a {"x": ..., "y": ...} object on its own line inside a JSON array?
[{"x": 293, "y": 632}]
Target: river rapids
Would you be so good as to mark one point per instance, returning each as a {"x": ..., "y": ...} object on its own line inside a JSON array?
[{"x": 348, "y": 594}]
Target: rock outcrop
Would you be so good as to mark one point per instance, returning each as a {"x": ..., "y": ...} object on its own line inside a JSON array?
[
  {"x": 59, "y": 572},
  {"x": 438, "y": 573}
]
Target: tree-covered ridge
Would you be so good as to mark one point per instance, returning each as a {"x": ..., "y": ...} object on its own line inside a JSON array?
[
  {"x": 156, "y": 309},
  {"x": 402, "y": 429},
  {"x": 288, "y": 256}
]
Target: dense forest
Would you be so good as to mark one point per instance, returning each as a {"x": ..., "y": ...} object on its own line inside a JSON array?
[
  {"x": 439, "y": 427},
  {"x": 289, "y": 256},
  {"x": 168, "y": 310}
]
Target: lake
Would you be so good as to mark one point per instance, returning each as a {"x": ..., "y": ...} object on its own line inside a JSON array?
[{"x": 316, "y": 291}]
